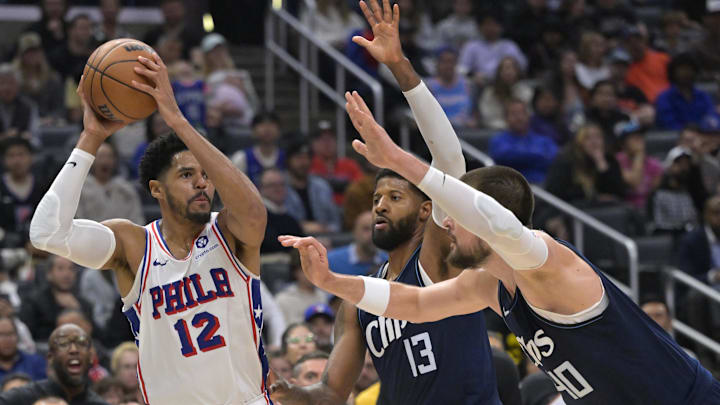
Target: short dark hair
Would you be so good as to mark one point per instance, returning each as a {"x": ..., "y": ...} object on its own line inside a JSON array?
[
  {"x": 265, "y": 116},
  {"x": 78, "y": 17},
  {"x": 599, "y": 84},
  {"x": 290, "y": 328},
  {"x": 16, "y": 141},
  {"x": 507, "y": 186},
  {"x": 158, "y": 158},
  {"x": 105, "y": 385},
  {"x": 14, "y": 376},
  {"x": 683, "y": 59},
  {"x": 317, "y": 354},
  {"x": 382, "y": 173},
  {"x": 647, "y": 299}
]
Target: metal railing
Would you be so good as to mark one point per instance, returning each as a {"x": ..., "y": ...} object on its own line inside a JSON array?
[
  {"x": 278, "y": 23},
  {"x": 675, "y": 276}
]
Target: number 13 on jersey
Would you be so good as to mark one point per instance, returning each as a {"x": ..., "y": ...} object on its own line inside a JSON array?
[{"x": 426, "y": 355}]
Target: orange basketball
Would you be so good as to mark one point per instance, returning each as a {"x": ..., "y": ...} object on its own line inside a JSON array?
[{"x": 108, "y": 81}]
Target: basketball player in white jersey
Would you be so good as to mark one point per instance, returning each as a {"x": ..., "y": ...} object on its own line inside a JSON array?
[{"x": 189, "y": 281}]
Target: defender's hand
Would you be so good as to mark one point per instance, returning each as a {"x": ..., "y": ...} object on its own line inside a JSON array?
[
  {"x": 385, "y": 47},
  {"x": 313, "y": 258},
  {"x": 93, "y": 124},
  {"x": 378, "y": 148},
  {"x": 156, "y": 71}
]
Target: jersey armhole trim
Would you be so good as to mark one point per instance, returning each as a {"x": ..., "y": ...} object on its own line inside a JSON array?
[
  {"x": 239, "y": 267},
  {"x": 140, "y": 277},
  {"x": 578, "y": 319}
]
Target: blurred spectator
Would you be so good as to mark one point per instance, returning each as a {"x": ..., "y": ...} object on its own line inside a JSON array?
[
  {"x": 124, "y": 364},
  {"x": 66, "y": 381},
  {"x": 189, "y": 92},
  {"x": 25, "y": 340},
  {"x": 170, "y": 49},
  {"x": 274, "y": 189},
  {"x": 12, "y": 359},
  {"x": 529, "y": 153},
  {"x": 15, "y": 380},
  {"x": 174, "y": 26},
  {"x": 674, "y": 206},
  {"x": 611, "y": 17},
  {"x": 99, "y": 353},
  {"x": 38, "y": 81},
  {"x": 677, "y": 33},
  {"x": 415, "y": 15},
  {"x": 507, "y": 376},
  {"x": 229, "y": 89},
  {"x": 451, "y": 89},
  {"x": 683, "y": 103},
  {"x": 539, "y": 389},
  {"x": 698, "y": 249},
  {"x": 547, "y": 119},
  {"x": 109, "y": 28},
  {"x": 576, "y": 18},
  {"x": 481, "y": 57},
  {"x": 658, "y": 311},
  {"x": 155, "y": 126},
  {"x": 309, "y": 369},
  {"x": 505, "y": 86},
  {"x": 320, "y": 318},
  {"x": 707, "y": 49},
  {"x": 18, "y": 115},
  {"x": 706, "y": 152},
  {"x": 359, "y": 195},
  {"x": 310, "y": 198},
  {"x": 98, "y": 288},
  {"x": 110, "y": 389},
  {"x": 107, "y": 195},
  {"x": 265, "y": 153},
  {"x": 279, "y": 364},
  {"x": 586, "y": 171},
  {"x": 528, "y": 23},
  {"x": 331, "y": 21},
  {"x": 591, "y": 67},
  {"x": 69, "y": 59},
  {"x": 459, "y": 27},
  {"x": 297, "y": 341},
  {"x": 361, "y": 257},
  {"x": 563, "y": 81},
  {"x": 51, "y": 27},
  {"x": 648, "y": 70},
  {"x": 20, "y": 189},
  {"x": 299, "y": 295},
  {"x": 630, "y": 99},
  {"x": 604, "y": 111},
  {"x": 337, "y": 171},
  {"x": 368, "y": 375},
  {"x": 273, "y": 319},
  {"x": 41, "y": 309},
  {"x": 545, "y": 53},
  {"x": 642, "y": 173}
]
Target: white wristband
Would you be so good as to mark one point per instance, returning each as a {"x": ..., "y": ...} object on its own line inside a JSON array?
[{"x": 376, "y": 297}]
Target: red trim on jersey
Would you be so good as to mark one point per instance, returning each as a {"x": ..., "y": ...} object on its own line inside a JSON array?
[
  {"x": 252, "y": 315},
  {"x": 242, "y": 274},
  {"x": 138, "y": 304},
  {"x": 142, "y": 384},
  {"x": 166, "y": 248}
]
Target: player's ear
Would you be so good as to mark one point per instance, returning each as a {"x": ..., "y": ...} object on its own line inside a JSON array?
[
  {"x": 156, "y": 189},
  {"x": 425, "y": 210}
]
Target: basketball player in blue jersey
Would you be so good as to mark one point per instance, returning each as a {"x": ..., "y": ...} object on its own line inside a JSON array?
[
  {"x": 189, "y": 281},
  {"x": 572, "y": 322},
  {"x": 444, "y": 362}
]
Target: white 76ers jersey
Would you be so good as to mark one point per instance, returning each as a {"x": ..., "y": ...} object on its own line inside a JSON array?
[{"x": 197, "y": 322}]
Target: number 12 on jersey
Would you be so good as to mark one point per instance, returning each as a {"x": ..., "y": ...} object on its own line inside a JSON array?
[
  {"x": 425, "y": 352},
  {"x": 206, "y": 340}
]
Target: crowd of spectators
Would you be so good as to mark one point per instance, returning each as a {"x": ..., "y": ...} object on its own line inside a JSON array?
[{"x": 571, "y": 93}]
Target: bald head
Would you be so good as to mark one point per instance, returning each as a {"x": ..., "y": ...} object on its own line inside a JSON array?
[{"x": 68, "y": 329}]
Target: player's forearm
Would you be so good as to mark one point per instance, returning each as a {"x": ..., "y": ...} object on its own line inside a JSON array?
[
  {"x": 405, "y": 74},
  {"x": 89, "y": 143},
  {"x": 317, "y": 394},
  {"x": 238, "y": 193}
]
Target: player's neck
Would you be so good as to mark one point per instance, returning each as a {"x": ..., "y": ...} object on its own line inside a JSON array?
[
  {"x": 179, "y": 234},
  {"x": 398, "y": 257}
]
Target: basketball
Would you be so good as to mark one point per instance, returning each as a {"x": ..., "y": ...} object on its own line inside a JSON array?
[{"x": 108, "y": 81}]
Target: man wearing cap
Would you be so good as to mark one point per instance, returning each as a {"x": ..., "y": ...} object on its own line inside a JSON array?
[
  {"x": 338, "y": 171},
  {"x": 648, "y": 70},
  {"x": 683, "y": 103},
  {"x": 320, "y": 317}
]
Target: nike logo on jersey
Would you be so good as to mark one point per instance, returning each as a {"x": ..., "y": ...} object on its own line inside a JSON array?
[
  {"x": 506, "y": 312},
  {"x": 71, "y": 163},
  {"x": 159, "y": 263}
]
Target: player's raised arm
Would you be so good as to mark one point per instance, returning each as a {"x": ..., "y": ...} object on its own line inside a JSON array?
[
  {"x": 244, "y": 214},
  {"x": 53, "y": 228},
  {"x": 479, "y": 213},
  {"x": 459, "y": 295}
]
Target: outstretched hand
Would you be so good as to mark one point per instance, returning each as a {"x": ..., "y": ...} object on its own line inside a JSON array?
[
  {"x": 313, "y": 258},
  {"x": 156, "y": 72},
  {"x": 384, "y": 21},
  {"x": 378, "y": 148},
  {"x": 94, "y": 124}
]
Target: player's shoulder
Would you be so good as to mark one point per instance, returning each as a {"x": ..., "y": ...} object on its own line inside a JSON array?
[{"x": 125, "y": 229}]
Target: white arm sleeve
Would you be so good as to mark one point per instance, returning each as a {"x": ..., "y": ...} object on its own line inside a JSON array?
[
  {"x": 479, "y": 213},
  {"x": 53, "y": 229},
  {"x": 439, "y": 136}
]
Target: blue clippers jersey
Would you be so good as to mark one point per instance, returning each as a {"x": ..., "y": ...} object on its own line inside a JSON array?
[
  {"x": 447, "y": 362},
  {"x": 618, "y": 357}
]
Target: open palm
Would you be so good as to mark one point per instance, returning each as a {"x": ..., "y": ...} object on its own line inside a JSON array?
[
  {"x": 385, "y": 47},
  {"x": 378, "y": 148}
]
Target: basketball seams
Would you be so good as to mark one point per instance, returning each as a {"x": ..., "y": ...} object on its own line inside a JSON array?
[
  {"x": 102, "y": 88},
  {"x": 89, "y": 64}
]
